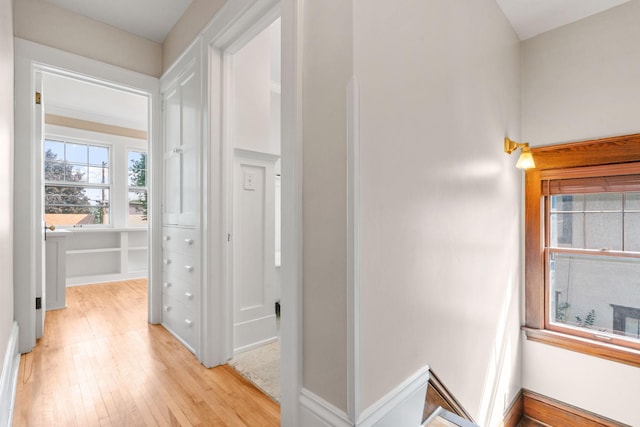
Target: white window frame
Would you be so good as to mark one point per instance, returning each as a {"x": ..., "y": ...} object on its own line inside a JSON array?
[{"x": 119, "y": 147}]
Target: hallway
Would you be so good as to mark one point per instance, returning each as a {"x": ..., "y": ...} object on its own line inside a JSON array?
[{"x": 100, "y": 363}]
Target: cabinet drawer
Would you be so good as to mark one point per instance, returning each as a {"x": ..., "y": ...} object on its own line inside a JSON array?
[
  {"x": 179, "y": 267},
  {"x": 182, "y": 323},
  {"x": 184, "y": 291},
  {"x": 181, "y": 240}
]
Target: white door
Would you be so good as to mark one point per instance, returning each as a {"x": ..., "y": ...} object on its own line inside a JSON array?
[
  {"x": 41, "y": 286},
  {"x": 254, "y": 318}
]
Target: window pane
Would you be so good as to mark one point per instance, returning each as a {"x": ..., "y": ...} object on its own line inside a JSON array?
[
  {"x": 137, "y": 169},
  {"x": 98, "y": 156},
  {"x": 67, "y": 205},
  {"x": 98, "y": 175},
  {"x": 632, "y": 231},
  {"x": 76, "y": 153},
  {"x": 567, "y": 203},
  {"x": 137, "y": 207},
  {"x": 567, "y": 230},
  {"x": 53, "y": 150},
  {"x": 585, "y": 291},
  {"x": 54, "y": 171},
  {"x": 632, "y": 201},
  {"x": 603, "y": 231},
  {"x": 75, "y": 173},
  {"x": 603, "y": 202}
]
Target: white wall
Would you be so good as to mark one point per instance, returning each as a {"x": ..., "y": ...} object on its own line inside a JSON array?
[
  {"x": 581, "y": 82},
  {"x": 190, "y": 24},
  {"x": 440, "y": 274},
  {"x": 42, "y": 22},
  {"x": 326, "y": 71},
  {"x": 252, "y": 96},
  {"x": 6, "y": 175}
]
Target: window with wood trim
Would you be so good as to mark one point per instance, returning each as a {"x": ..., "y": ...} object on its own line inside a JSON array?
[{"x": 583, "y": 247}]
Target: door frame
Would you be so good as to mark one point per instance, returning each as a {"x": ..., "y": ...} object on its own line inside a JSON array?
[
  {"x": 236, "y": 21},
  {"x": 31, "y": 58}
]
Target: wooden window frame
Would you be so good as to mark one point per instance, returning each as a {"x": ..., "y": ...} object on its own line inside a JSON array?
[{"x": 621, "y": 151}]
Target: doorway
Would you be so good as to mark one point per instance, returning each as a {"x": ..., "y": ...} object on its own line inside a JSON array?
[
  {"x": 94, "y": 157},
  {"x": 35, "y": 64},
  {"x": 253, "y": 120}
]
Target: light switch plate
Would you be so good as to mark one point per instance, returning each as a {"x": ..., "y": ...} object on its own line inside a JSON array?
[{"x": 249, "y": 180}]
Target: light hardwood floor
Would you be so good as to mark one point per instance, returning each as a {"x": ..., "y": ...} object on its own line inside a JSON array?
[{"x": 100, "y": 363}]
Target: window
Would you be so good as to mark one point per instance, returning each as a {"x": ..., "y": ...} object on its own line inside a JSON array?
[
  {"x": 77, "y": 183},
  {"x": 137, "y": 194},
  {"x": 583, "y": 247}
]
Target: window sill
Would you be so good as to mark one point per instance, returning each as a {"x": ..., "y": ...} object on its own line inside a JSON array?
[{"x": 607, "y": 351}]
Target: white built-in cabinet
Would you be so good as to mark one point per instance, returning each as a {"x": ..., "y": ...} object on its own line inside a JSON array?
[
  {"x": 97, "y": 255},
  {"x": 181, "y": 246}
]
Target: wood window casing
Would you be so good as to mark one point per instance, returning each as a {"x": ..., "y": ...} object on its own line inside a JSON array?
[{"x": 621, "y": 155}]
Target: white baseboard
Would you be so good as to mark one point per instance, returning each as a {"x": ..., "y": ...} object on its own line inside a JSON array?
[
  {"x": 317, "y": 412},
  {"x": 403, "y": 406},
  {"x": 9, "y": 378}
]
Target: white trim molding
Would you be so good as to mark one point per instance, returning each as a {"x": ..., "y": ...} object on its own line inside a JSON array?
[
  {"x": 402, "y": 406},
  {"x": 317, "y": 412},
  {"x": 9, "y": 378},
  {"x": 353, "y": 249}
]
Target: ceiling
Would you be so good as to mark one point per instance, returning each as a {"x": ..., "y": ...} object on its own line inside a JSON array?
[
  {"x": 532, "y": 17},
  {"x": 87, "y": 101},
  {"x": 151, "y": 19}
]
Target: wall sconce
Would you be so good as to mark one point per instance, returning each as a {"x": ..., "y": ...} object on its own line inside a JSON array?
[{"x": 525, "y": 161}]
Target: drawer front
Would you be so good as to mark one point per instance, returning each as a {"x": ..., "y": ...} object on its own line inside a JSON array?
[
  {"x": 180, "y": 240},
  {"x": 184, "y": 291},
  {"x": 179, "y": 266},
  {"x": 177, "y": 318}
]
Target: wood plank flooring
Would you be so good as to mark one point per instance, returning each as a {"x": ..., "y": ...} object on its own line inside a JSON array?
[{"x": 100, "y": 363}]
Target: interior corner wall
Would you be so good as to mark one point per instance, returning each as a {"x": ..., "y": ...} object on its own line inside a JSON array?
[
  {"x": 326, "y": 72},
  {"x": 252, "y": 96},
  {"x": 6, "y": 175},
  {"x": 191, "y": 23},
  {"x": 581, "y": 82},
  {"x": 440, "y": 273},
  {"x": 44, "y": 23}
]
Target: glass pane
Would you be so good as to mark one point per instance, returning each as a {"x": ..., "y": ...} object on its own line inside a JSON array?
[
  {"x": 137, "y": 169},
  {"x": 137, "y": 207},
  {"x": 567, "y": 203},
  {"x": 98, "y": 175},
  {"x": 53, "y": 150},
  {"x": 54, "y": 171},
  {"x": 603, "y": 231},
  {"x": 67, "y": 205},
  {"x": 76, "y": 153},
  {"x": 99, "y": 156},
  {"x": 75, "y": 173},
  {"x": 567, "y": 230},
  {"x": 603, "y": 202},
  {"x": 632, "y": 327},
  {"x": 632, "y": 231},
  {"x": 632, "y": 201},
  {"x": 594, "y": 292}
]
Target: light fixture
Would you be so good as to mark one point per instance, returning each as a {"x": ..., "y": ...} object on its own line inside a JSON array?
[{"x": 526, "y": 159}]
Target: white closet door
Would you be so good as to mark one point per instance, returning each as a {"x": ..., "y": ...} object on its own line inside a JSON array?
[
  {"x": 172, "y": 123},
  {"x": 254, "y": 249},
  {"x": 183, "y": 135}
]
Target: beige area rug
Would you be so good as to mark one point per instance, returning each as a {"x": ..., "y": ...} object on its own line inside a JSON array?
[{"x": 261, "y": 366}]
